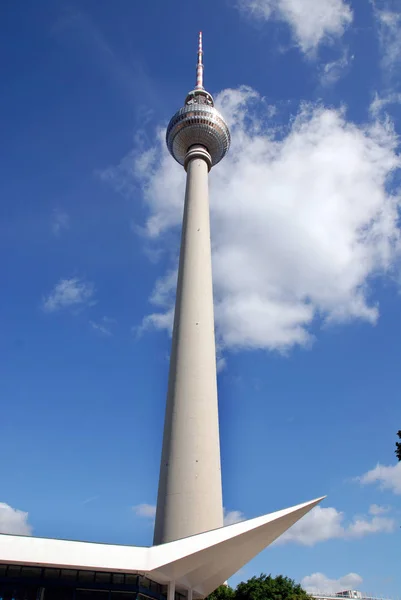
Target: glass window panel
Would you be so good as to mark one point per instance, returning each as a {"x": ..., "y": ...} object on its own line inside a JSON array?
[
  {"x": 13, "y": 571},
  {"x": 102, "y": 577},
  {"x": 31, "y": 572},
  {"x": 59, "y": 593},
  {"x": 87, "y": 576},
  {"x": 69, "y": 574},
  {"x": 30, "y": 593},
  {"x": 91, "y": 595},
  {"x": 118, "y": 578},
  {"x": 155, "y": 587},
  {"x": 3, "y": 569},
  {"x": 52, "y": 573},
  {"x": 122, "y": 595},
  {"x": 163, "y": 591},
  {"x": 144, "y": 582},
  {"x": 130, "y": 579},
  {"x": 6, "y": 592}
]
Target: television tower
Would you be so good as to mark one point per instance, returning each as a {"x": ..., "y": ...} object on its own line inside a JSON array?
[
  {"x": 190, "y": 500},
  {"x": 190, "y": 493}
]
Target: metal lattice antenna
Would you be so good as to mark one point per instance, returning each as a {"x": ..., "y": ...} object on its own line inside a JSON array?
[{"x": 199, "y": 67}]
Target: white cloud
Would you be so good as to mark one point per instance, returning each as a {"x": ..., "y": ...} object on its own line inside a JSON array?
[
  {"x": 361, "y": 527},
  {"x": 319, "y": 525},
  {"x": 163, "y": 297},
  {"x": 380, "y": 103},
  {"x": 389, "y": 31},
  {"x": 69, "y": 293},
  {"x": 319, "y": 583},
  {"x": 104, "y": 326},
  {"x": 334, "y": 70},
  {"x": 221, "y": 362},
  {"x": 14, "y": 521},
  {"x": 376, "y": 509},
  {"x": 388, "y": 478},
  {"x": 120, "y": 178},
  {"x": 311, "y": 22},
  {"x": 323, "y": 524},
  {"x": 60, "y": 221},
  {"x": 156, "y": 321},
  {"x": 147, "y": 511},
  {"x": 164, "y": 289},
  {"x": 233, "y": 516},
  {"x": 302, "y": 221}
]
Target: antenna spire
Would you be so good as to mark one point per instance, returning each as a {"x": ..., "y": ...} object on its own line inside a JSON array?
[{"x": 199, "y": 68}]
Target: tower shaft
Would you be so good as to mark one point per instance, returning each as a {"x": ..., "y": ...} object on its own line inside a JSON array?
[{"x": 190, "y": 492}]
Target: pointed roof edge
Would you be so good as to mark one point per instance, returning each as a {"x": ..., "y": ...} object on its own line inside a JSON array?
[
  {"x": 185, "y": 546},
  {"x": 207, "y": 560},
  {"x": 200, "y": 562}
]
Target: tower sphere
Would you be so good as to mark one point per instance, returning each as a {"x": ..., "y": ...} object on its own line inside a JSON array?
[{"x": 198, "y": 123}]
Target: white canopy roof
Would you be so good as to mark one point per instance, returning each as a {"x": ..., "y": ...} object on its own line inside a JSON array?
[{"x": 201, "y": 562}]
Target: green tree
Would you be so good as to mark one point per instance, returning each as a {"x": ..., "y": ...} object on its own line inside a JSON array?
[
  {"x": 266, "y": 587},
  {"x": 223, "y": 592},
  {"x": 398, "y": 447}
]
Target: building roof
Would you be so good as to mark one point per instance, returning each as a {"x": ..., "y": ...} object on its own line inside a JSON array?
[{"x": 201, "y": 562}]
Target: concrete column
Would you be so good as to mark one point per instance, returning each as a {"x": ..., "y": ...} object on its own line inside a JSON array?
[
  {"x": 190, "y": 495},
  {"x": 189, "y": 594},
  {"x": 171, "y": 590}
]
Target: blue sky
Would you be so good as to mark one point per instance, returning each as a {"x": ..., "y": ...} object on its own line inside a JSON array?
[{"x": 306, "y": 254}]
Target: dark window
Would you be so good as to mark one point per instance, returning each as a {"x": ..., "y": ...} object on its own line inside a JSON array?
[
  {"x": 13, "y": 571},
  {"x": 91, "y": 595},
  {"x": 59, "y": 593},
  {"x": 86, "y": 576},
  {"x": 130, "y": 579},
  {"x": 69, "y": 574},
  {"x": 32, "y": 572},
  {"x": 29, "y": 593},
  {"x": 122, "y": 595},
  {"x": 18, "y": 592},
  {"x": 118, "y": 578},
  {"x": 52, "y": 573},
  {"x": 3, "y": 569},
  {"x": 155, "y": 587},
  {"x": 6, "y": 592},
  {"x": 102, "y": 577}
]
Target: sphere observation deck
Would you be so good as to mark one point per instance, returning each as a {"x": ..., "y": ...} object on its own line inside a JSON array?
[{"x": 198, "y": 123}]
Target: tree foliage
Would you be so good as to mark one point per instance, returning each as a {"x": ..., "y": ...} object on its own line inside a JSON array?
[
  {"x": 264, "y": 587},
  {"x": 224, "y": 592},
  {"x": 398, "y": 447}
]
